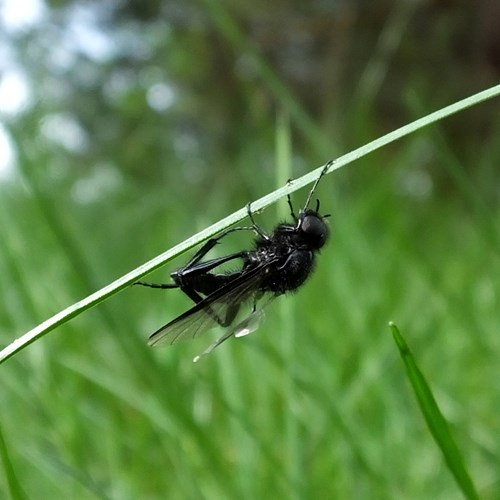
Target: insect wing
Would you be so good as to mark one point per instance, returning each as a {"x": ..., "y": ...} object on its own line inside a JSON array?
[
  {"x": 246, "y": 326},
  {"x": 203, "y": 315},
  {"x": 252, "y": 322}
]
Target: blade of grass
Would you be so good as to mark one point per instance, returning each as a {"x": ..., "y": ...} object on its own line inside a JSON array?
[
  {"x": 283, "y": 162},
  {"x": 15, "y": 489},
  {"x": 129, "y": 278},
  {"x": 436, "y": 422}
]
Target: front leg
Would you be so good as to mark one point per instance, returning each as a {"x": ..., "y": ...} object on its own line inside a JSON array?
[{"x": 260, "y": 232}]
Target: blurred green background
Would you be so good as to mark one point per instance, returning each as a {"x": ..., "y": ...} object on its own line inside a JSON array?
[{"x": 128, "y": 126}]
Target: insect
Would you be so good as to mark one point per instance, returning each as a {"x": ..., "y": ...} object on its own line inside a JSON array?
[{"x": 279, "y": 262}]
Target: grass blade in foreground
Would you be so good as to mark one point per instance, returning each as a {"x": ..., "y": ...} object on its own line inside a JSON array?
[{"x": 435, "y": 421}]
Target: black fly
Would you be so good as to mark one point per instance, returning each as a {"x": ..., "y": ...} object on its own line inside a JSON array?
[{"x": 280, "y": 262}]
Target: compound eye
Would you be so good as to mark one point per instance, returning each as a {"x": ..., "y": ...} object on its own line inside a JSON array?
[{"x": 315, "y": 230}]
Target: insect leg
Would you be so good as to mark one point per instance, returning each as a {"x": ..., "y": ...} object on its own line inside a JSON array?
[
  {"x": 193, "y": 269},
  {"x": 191, "y": 266},
  {"x": 255, "y": 226},
  {"x": 315, "y": 185},
  {"x": 231, "y": 311},
  {"x": 211, "y": 243},
  {"x": 185, "y": 277},
  {"x": 292, "y": 213},
  {"x": 195, "y": 280},
  {"x": 156, "y": 285},
  {"x": 248, "y": 325}
]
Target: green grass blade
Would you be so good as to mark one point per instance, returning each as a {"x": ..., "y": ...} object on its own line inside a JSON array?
[
  {"x": 157, "y": 262},
  {"x": 15, "y": 489},
  {"x": 436, "y": 422},
  {"x": 291, "y": 441}
]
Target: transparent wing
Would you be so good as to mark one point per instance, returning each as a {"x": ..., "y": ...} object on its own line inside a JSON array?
[
  {"x": 246, "y": 326},
  {"x": 219, "y": 304}
]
